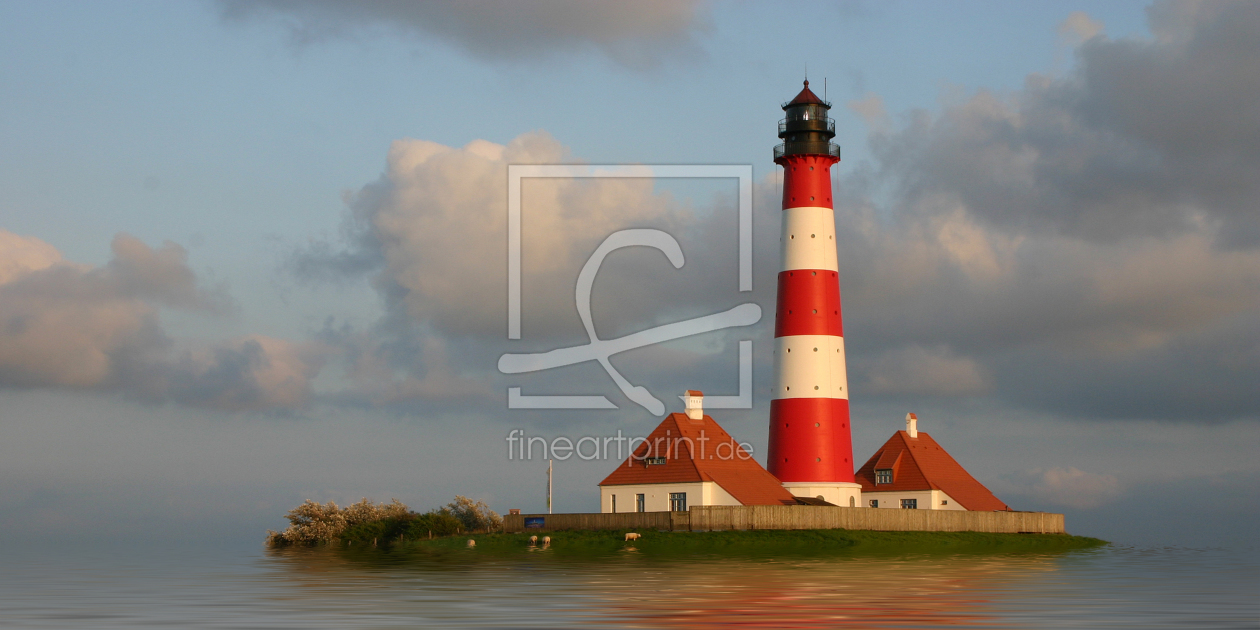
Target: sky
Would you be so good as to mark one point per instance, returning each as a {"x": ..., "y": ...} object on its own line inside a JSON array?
[{"x": 255, "y": 253}]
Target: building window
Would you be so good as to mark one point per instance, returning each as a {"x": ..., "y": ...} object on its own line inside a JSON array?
[
  {"x": 852, "y": 502},
  {"x": 639, "y": 503},
  {"x": 614, "y": 504},
  {"x": 874, "y": 502},
  {"x": 883, "y": 475},
  {"x": 909, "y": 504},
  {"x": 944, "y": 502},
  {"x": 678, "y": 501},
  {"x": 655, "y": 461}
]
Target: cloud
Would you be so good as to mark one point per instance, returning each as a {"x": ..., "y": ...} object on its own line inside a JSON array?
[
  {"x": 98, "y": 328},
  {"x": 639, "y": 34},
  {"x": 1091, "y": 241},
  {"x": 1059, "y": 248},
  {"x": 939, "y": 302},
  {"x": 871, "y": 110},
  {"x": 252, "y": 373},
  {"x": 436, "y": 224},
  {"x": 927, "y": 371},
  {"x": 1079, "y": 27},
  {"x": 1145, "y": 137},
  {"x": 394, "y": 368},
  {"x": 1068, "y": 487},
  {"x": 24, "y": 254},
  {"x": 431, "y": 234}
]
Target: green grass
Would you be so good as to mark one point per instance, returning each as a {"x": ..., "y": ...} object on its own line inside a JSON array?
[{"x": 759, "y": 543}]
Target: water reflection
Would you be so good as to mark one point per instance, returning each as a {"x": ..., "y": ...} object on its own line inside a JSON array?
[
  {"x": 334, "y": 588},
  {"x": 632, "y": 590}
]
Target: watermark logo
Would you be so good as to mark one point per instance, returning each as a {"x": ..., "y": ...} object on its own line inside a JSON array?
[
  {"x": 600, "y": 350},
  {"x": 640, "y": 450}
]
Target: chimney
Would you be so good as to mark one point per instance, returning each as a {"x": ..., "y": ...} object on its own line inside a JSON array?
[
  {"x": 694, "y": 399},
  {"x": 912, "y": 425}
]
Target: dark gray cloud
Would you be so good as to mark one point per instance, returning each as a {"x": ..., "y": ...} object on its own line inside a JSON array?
[
  {"x": 639, "y": 34},
  {"x": 1145, "y": 136},
  {"x": 1091, "y": 241}
]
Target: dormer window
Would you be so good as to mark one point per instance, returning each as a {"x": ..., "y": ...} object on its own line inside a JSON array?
[
  {"x": 655, "y": 461},
  {"x": 883, "y": 475}
]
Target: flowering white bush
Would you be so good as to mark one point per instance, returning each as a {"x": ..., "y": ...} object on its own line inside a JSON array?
[
  {"x": 474, "y": 515},
  {"x": 313, "y": 522}
]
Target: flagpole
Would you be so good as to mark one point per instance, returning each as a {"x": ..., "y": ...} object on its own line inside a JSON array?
[{"x": 549, "y": 486}]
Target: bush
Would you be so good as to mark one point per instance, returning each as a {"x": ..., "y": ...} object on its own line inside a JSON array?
[
  {"x": 439, "y": 522},
  {"x": 313, "y": 523},
  {"x": 475, "y": 516}
]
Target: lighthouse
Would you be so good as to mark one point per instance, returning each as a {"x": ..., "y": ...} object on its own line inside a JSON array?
[{"x": 811, "y": 451}]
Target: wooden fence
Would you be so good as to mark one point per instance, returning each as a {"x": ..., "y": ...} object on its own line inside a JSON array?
[
  {"x": 667, "y": 521},
  {"x": 721, "y": 517},
  {"x": 724, "y": 517}
]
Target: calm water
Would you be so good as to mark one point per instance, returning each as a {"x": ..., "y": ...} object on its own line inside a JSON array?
[{"x": 1116, "y": 587}]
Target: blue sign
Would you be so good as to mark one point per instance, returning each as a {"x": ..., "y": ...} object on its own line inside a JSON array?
[{"x": 535, "y": 522}]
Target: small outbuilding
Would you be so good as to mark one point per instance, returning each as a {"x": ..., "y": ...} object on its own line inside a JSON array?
[
  {"x": 689, "y": 460},
  {"x": 912, "y": 471}
]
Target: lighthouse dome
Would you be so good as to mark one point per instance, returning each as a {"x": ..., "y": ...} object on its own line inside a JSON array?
[
  {"x": 806, "y": 97},
  {"x": 806, "y": 129}
]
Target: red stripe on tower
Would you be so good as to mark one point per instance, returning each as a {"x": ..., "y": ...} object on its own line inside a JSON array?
[{"x": 811, "y": 451}]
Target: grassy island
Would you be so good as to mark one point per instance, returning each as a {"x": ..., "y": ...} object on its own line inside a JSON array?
[
  {"x": 447, "y": 530},
  {"x": 799, "y": 543}
]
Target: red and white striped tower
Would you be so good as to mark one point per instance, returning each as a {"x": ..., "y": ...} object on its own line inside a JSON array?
[{"x": 811, "y": 451}]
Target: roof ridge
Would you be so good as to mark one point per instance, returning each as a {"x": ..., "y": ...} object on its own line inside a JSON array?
[
  {"x": 905, "y": 439},
  {"x": 691, "y": 456}
]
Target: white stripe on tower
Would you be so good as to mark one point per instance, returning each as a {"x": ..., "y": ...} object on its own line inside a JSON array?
[
  {"x": 810, "y": 366},
  {"x": 809, "y": 239}
]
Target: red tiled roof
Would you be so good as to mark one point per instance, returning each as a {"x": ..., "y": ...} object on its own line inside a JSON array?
[
  {"x": 921, "y": 464},
  {"x": 806, "y": 97},
  {"x": 694, "y": 392},
  {"x": 695, "y": 451}
]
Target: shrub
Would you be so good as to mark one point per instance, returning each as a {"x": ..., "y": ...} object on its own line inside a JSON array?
[
  {"x": 312, "y": 522},
  {"x": 439, "y": 522},
  {"x": 474, "y": 515},
  {"x": 365, "y": 511}
]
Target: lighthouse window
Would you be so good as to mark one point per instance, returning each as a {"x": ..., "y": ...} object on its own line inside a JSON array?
[{"x": 884, "y": 475}]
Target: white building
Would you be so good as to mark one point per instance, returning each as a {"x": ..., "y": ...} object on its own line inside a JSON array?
[
  {"x": 689, "y": 460},
  {"x": 912, "y": 471}
]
